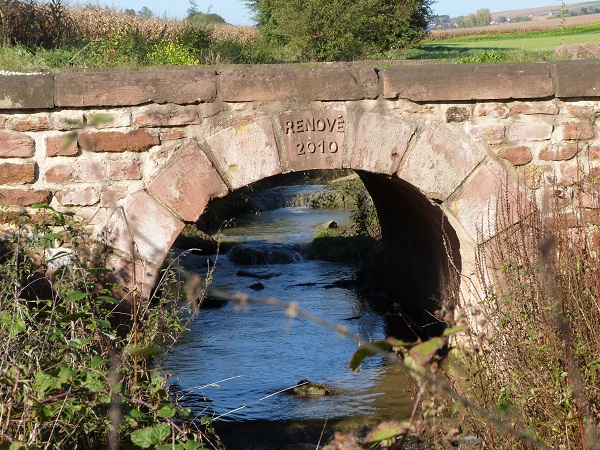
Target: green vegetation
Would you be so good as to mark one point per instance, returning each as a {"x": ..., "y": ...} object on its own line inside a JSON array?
[
  {"x": 342, "y": 30},
  {"x": 76, "y": 369}
]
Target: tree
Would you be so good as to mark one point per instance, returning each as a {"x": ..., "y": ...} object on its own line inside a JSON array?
[
  {"x": 342, "y": 29},
  {"x": 146, "y": 13}
]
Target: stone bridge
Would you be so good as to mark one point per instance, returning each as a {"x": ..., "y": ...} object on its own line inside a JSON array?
[{"x": 437, "y": 146}]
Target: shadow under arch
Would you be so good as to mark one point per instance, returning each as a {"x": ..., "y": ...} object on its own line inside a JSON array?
[{"x": 421, "y": 254}]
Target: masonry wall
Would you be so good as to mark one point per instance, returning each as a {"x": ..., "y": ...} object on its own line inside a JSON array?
[{"x": 88, "y": 142}]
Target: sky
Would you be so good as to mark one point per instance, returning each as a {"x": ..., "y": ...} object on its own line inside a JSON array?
[{"x": 235, "y": 11}]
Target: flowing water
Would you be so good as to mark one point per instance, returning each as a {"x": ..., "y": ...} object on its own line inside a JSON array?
[{"x": 236, "y": 364}]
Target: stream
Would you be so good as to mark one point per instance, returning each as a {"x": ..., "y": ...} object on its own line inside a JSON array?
[{"x": 237, "y": 365}]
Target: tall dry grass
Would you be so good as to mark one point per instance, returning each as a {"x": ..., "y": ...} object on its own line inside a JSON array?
[{"x": 536, "y": 358}]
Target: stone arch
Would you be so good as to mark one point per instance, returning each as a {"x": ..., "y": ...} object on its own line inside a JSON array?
[{"x": 429, "y": 180}]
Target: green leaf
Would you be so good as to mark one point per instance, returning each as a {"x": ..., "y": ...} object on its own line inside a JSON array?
[
  {"x": 366, "y": 350},
  {"x": 451, "y": 331},
  {"x": 41, "y": 206},
  {"x": 73, "y": 317},
  {"x": 107, "y": 299},
  {"x": 95, "y": 381},
  {"x": 166, "y": 411},
  {"x": 76, "y": 296},
  {"x": 193, "y": 445},
  {"x": 149, "y": 350},
  {"x": 422, "y": 353},
  {"x": 76, "y": 343},
  {"x": 151, "y": 436},
  {"x": 98, "y": 361},
  {"x": 137, "y": 414},
  {"x": 386, "y": 431}
]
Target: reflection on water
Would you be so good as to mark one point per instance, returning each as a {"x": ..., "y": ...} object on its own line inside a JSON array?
[{"x": 232, "y": 361}]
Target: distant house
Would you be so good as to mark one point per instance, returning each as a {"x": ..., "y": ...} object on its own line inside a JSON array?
[{"x": 494, "y": 22}]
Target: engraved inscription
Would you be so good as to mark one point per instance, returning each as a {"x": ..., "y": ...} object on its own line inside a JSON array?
[{"x": 314, "y": 139}]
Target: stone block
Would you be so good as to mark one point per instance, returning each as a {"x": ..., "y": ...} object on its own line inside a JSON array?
[
  {"x": 183, "y": 87},
  {"x": 317, "y": 84},
  {"x": 28, "y": 122},
  {"x": 188, "y": 182},
  {"x": 465, "y": 82},
  {"x": 23, "y": 197},
  {"x": 117, "y": 141},
  {"x": 144, "y": 229},
  {"x": 381, "y": 143},
  {"x": 246, "y": 153},
  {"x": 78, "y": 197},
  {"x": 111, "y": 118},
  {"x": 530, "y": 108},
  {"x": 478, "y": 205},
  {"x": 124, "y": 169},
  {"x": 559, "y": 152},
  {"x": 26, "y": 91},
  {"x": 492, "y": 110},
  {"x": 492, "y": 134},
  {"x": 527, "y": 131},
  {"x": 79, "y": 171},
  {"x": 14, "y": 173},
  {"x": 172, "y": 135},
  {"x": 166, "y": 116},
  {"x": 457, "y": 114},
  {"x": 440, "y": 162},
  {"x": 314, "y": 139},
  {"x": 518, "y": 155},
  {"x": 16, "y": 145},
  {"x": 575, "y": 131},
  {"x": 67, "y": 120},
  {"x": 63, "y": 145},
  {"x": 577, "y": 79}
]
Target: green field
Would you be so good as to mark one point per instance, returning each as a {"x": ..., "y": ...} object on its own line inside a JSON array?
[{"x": 531, "y": 46}]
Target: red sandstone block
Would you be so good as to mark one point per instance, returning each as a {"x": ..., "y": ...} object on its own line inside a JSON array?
[
  {"x": 517, "y": 156},
  {"x": 322, "y": 83},
  {"x": 120, "y": 170},
  {"x": 575, "y": 131},
  {"x": 188, "y": 182},
  {"x": 78, "y": 197},
  {"x": 63, "y": 145},
  {"x": 117, "y": 141},
  {"x": 577, "y": 79},
  {"x": 16, "y": 145},
  {"x": 113, "y": 118},
  {"x": 26, "y": 91},
  {"x": 67, "y": 120},
  {"x": 144, "y": 229},
  {"x": 29, "y": 122},
  {"x": 595, "y": 151},
  {"x": 530, "y": 131},
  {"x": 381, "y": 142},
  {"x": 584, "y": 112},
  {"x": 21, "y": 197},
  {"x": 173, "y": 135},
  {"x": 491, "y": 134},
  {"x": 80, "y": 171},
  {"x": 467, "y": 82},
  {"x": 12, "y": 173},
  {"x": 531, "y": 108},
  {"x": 134, "y": 278},
  {"x": 495, "y": 110},
  {"x": 135, "y": 88},
  {"x": 559, "y": 152},
  {"x": 440, "y": 161},
  {"x": 166, "y": 116}
]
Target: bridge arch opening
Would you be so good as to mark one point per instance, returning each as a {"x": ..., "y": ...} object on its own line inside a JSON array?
[{"x": 421, "y": 253}]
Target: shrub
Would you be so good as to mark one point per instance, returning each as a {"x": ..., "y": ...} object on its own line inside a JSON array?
[
  {"x": 68, "y": 377},
  {"x": 170, "y": 54}
]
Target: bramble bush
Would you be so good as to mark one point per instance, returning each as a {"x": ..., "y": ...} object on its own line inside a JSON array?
[{"x": 68, "y": 377}]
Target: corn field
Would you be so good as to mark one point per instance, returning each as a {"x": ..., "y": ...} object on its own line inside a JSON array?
[{"x": 48, "y": 24}]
